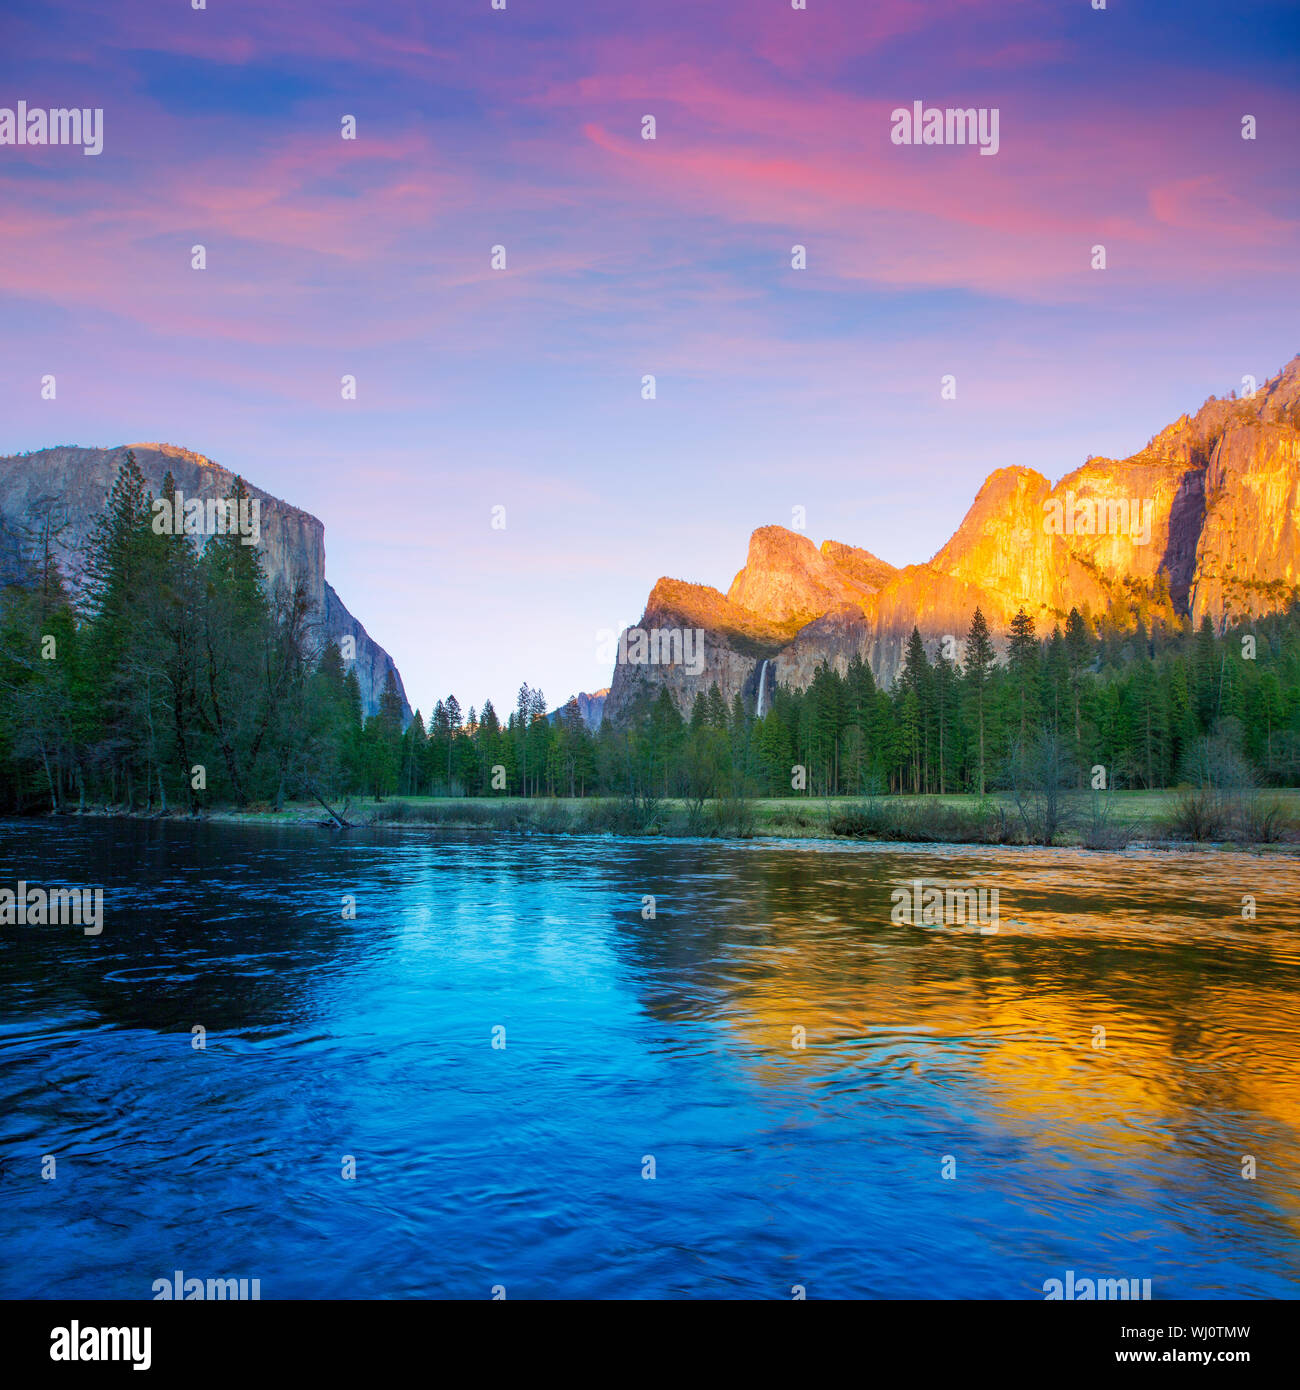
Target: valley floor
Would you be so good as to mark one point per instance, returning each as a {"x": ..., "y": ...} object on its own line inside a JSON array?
[{"x": 1176, "y": 818}]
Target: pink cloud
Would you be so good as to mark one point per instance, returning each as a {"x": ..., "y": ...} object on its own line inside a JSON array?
[
  {"x": 333, "y": 30},
  {"x": 1202, "y": 204}
]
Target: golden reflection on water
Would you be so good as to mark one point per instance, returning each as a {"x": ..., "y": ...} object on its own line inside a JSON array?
[{"x": 1200, "y": 1008}]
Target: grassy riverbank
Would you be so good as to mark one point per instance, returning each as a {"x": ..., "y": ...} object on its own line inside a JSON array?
[{"x": 1098, "y": 822}]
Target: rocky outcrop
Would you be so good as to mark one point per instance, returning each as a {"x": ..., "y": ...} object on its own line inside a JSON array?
[
  {"x": 292, "y": 541},
  {"x": 1204, "y": 520},
  {"x": 1248, "y": 554},
  {"x": 790, "y": 582},
  {"x": 868, "y": 571},
  {"x": 733, "y": 643},
  {"x": 591, "y": 708}
]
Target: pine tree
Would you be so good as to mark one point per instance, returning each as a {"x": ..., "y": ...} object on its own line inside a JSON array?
[
  {"x": 519, "y": 723},
  {"x": 947, "y": 714},
  {"x": 715, "y": 712},
  {"x": 914, "y": 707},
  {"x": 1022, "y": 663},
  {"x": 390, "y": 704},
  {"x": 1077, "y": 651},
  {"x": 979, "y": 655},
  {"x": 1207, "y": 676},
  {"x": 237, "y": 686},
  {"x": 414, "y": 743}
]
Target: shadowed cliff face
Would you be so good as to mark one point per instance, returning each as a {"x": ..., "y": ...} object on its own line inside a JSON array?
[
  {"x": 591, "y": 708},
  {"x": 1209, "y": 511},
  {"x": 292, "y": 541}
]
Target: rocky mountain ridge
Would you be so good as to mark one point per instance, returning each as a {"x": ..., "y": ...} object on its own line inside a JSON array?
[
  {"x": 591, "y": 708},
  {"x": 1204, "y": 520},
  {"x": 292, "y": 540}
]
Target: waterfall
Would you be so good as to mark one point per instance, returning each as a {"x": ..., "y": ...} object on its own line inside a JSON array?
[{"x": 762, "y": 676}]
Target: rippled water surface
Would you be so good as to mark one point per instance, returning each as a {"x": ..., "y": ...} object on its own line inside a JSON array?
[{"x": 629, "y": 1038}]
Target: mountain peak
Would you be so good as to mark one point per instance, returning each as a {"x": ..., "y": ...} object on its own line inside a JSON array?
[
  {"x": 865, "y": 569},
  {"x": 1199, "y": 522},
  {"x": 291, "y": 542},
  {"x": 786, "y": 579}
]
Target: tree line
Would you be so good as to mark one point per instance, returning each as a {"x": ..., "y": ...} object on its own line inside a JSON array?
[{"x": 174, "y": 676}]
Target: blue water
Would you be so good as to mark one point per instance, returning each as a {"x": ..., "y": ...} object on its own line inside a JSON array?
[{"x": 627, "y": 1039}]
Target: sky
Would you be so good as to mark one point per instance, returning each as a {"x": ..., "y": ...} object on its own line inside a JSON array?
[{"x": 522, "y": 388}]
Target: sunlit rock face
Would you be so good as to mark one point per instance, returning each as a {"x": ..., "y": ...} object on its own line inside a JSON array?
[
  {"x": 861, "y": 566},
  {"x": 292, "y": 541},
  {"x": 1204, "y": 520},
  {"x": 1248, "y": 551},
  {"x": 787, "y": 579}
]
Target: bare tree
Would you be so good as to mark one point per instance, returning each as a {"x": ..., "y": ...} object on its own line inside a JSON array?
[{"x": 1041, "y": 774}]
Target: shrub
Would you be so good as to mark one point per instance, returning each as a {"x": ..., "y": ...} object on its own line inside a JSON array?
[
  {"x": 864, "y": 820},
  {"x": 731, "y": 817},
  {"x": 1100, "y": 829},
  {"x": 1264, "y": 821},
  {"x": 1198, "y": 815},
  {"x": 551, "y": 819},
  {"x": 625, "y": 815}
]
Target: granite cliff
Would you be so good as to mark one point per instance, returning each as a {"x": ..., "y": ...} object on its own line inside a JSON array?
[
  {"x": 1204, "y": 520},
  {"x": 591, "y": 708},
  {"x": 291, "y": 541}
]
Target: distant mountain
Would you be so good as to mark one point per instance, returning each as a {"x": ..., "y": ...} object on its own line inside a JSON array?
[
  {"x": 291, "y": 539},
  {"x": 1204, "y": 520},
  {"x": 590, "y": 706}
]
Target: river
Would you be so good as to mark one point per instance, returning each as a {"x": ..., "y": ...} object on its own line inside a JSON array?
[{"x": 548, "y": 1085}]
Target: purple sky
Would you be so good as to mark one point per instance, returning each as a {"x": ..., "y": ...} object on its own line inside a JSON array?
[{"x": 521, "y": 388}]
